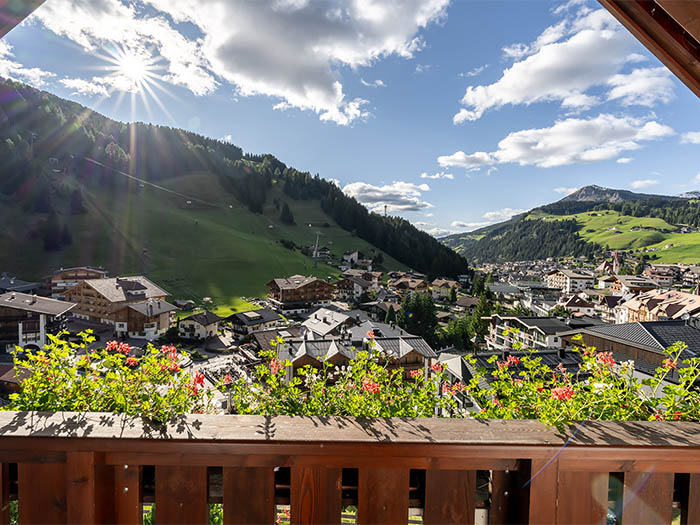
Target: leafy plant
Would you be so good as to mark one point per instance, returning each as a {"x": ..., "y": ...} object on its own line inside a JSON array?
[
  {"x": 525, "y": 388},
  {"x": 113, "y": 379}
]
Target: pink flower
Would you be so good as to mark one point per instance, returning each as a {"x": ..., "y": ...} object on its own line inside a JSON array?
[
  {"x": 124, "y": 348},
  {"x": 671, "y": 365},
  {"x": 198, "y": 379},
  {"x": 112, "y": 345},
  {"x": 562, "y": 393},
  {"x": 605, "y": 358},
  {"x": 437, "y": 367},
  {"x": 414, "y": 374},
  {"x": 227, "y": 379},
  {"x": 275, "y": 366},
  {"x": 510, "y": 360},
  {"x": 370, "y": 334},
  {"x": 677, "y": 415},
  {"x": 370, "y": 386},
  {"x": 130, "y": 361}
]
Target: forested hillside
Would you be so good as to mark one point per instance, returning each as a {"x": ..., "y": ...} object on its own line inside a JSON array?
[
  {"x": 66, "y": 170},
  {"x": 663, "y": 226}
]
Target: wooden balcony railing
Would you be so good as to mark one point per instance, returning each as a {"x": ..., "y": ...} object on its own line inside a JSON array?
[{"x": 101, "y": 468}]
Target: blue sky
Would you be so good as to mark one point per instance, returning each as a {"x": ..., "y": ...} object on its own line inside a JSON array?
[{"x": 452, "y": 114}]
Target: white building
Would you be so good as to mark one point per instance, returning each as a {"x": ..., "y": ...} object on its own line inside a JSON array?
[
  {"x": 201, "y": 325},
  {"x": 569, "y": 281}
]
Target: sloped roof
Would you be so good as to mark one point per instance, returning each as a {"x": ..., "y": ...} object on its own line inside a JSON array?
[
  {"x": 255, "y": 317},
  {"x": 151, "y": 308},
  {"x": 205, "y": 318},
  {"x": 116, "y": 289},
  {"x": 33, "y": 303}
]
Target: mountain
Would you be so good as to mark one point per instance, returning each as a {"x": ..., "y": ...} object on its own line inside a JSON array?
[
  {"x": 595, "y": 193},
  {"x": 198, "y": 215},
  {"x": 588, "y": 222}
]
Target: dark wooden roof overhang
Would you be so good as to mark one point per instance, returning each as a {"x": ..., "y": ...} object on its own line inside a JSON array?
[{"x": 668, "y": 28}]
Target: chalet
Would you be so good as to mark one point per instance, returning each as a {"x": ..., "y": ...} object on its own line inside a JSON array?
[
  {"x": 441, "y": 288},
  {"x": 26, "y": 319},
  {"x": 201, "y": 325},
  {"x": 605, "y": 281},
  {"x": 466, "y": 303},
  {"x": 351, "y": 257},
  {"x": 605, "y": 307},
  {"x": 325, "y": 323},
  {"x": 378, "y": 310},
  {"x": 133, "y": 305},
  {"x": 64, "y": 278},
  {"x": 245, "y": 323},
  {"x": 352, "y": 288},
  {"x": 408, "y": 285},
  {"x": 642, "y": 342},
  {"x": 663, "y": 278},
  {"x": 374, "y": 277},
  {"x": 625, "y": 284},
  {"x": 536, "y": 333},
  {"x": 298, "y": 293},
  {"x": 658, "y": 305},
  {"x": 569, "y": 281},
  {"x": 364, "y": 264},
  {"x": 576, "y": 304},
  {"x": 12, "y": 284}
]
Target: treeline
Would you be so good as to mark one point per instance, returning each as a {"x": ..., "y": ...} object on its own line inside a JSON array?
[
  {"x": 40, "y": 133},
  {"x": 394, "y": 235},
  {"x": 530, "y": 240}
]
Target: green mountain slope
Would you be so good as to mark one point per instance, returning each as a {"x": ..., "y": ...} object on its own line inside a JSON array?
[
  {"x": 589, "y": 221},
  {"x": 197, "y": 215}
]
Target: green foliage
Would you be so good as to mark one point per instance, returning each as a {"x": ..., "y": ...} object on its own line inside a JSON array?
[
  {"x": 368, "y": 387},
  {"x": 453, "y": 295},
  {"x": 559, "y": 311},
  {"x": 390, "y": 317},
  {"x": 625, "y": 270},
  {"x": 107, "y": 380},
  {"x": 525, "y": 388},
  {"x": 639, "y": 268},
  {"x": 478, "y": 325},
  {"x": 286, "y": 215},
  {"x": 418, "y": 315}
]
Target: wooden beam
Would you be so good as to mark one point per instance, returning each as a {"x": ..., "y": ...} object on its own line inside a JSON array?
[{"x": 13, "y": 12}]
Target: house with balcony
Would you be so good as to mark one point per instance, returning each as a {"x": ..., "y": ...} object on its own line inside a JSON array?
[
  {"x": 625, "y": 284},
  {"x": 199, "y": 326},
  {"x": 569, "y": 281},
  {"x": 64, "y": 278},
  {"x": 353, "y": 288},
  {"x": 537, "y": 333},
  {"x": 244, "y": 323},
  {"x": 134, "y": 306},
  {"x": 25, "y": 319},
  {"x": 9, "y": 283},
  {"x": 298, "y": 293},
  {"x": 441, "y": 288}
]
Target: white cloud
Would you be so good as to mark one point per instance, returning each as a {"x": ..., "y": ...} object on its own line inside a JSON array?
[
  {"x": 227, "y": 138},
  {"x": 423, "y": 68},
  {"x": 432, "y": 229},
  {"x": 292, "y": 51},
  {"x": 438, "y": 175},
  {"x": 624, "y": 160},
  {"x": 373, "y": 83},
  {"x": 84, "y": 87},
  {"x": 469, "y": 226},
  {"x": 461, "y": 159},
  {"x": 642, "y": 87},
  {"x": 588, "y": 50},
  {"x": 501, "y": 215},
  {"x": 643, "y": 183},
  {"x": 398, "y": 196},
  {"x": 569, "y": 141},
  {"x": 691, "y": 137},
  {"x": 696, "y": 180},
  {"x": 474, "y": 72},
  {"x": 10, "y": 68},
  {"x": 565, "y": 191}
]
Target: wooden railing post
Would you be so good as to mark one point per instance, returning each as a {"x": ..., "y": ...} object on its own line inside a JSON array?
[
  {"x": 41, "y": 493},
  {"x": 316, "y": 495},
  {"x": 648, "y": 497},
  {"x": 181, "y": 495},
  {"x": 382, "y": 496},
  {"x": 543, "y": 491},
  {"x": 249, "y": 495},
  {"x": 89, "y": 488},
  {"x": 450, "y": 496},
  {"x": 127, "y": 494}
]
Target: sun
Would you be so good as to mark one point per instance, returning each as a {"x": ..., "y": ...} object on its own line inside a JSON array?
[{"x": 134, "y": 67}]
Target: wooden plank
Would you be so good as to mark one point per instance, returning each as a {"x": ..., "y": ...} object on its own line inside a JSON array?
[
  {"x": 249, "y": 495},
  {"x": 41, "y": 493},
  {"x": 5, "y": 493},
  {"x": 582, "y": 497},
  {"x": 694, "y": 499},
  {"x": 80, "y": 487},
  {"x": 382, "y": 496},
  {"x": 316, "y": 495},
  {"x": 450, "y": 496},
  {"x": 543, "y": 491},
  {"x": 127, "y": 494},
  {"x": 181, "y": 495},
  {"x": 648, "y": 497}
]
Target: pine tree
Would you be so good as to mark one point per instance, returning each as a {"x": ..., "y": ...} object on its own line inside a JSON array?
[
  {"x": 453, "y": 295},
  {"x": 286, "y": 214},
  {"x": 390, "y": 317}
]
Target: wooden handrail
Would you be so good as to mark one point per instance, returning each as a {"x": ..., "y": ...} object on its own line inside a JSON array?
[{"x": 92, "y": 467}]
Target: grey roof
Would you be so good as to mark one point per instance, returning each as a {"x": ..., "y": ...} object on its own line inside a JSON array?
[
  {"x": 12, "y": 284},
  {"x": 552, "y": 358},
  {"x": 32, "y": 303},
  {"x": 151, "y": 308},
  {"x": 263, "y": 338},
  {"x": 204, "y": 318},
  {"x": 324, "y": 321},
  {"x": 117, "y": 289},
  {"x": 652, "y": 335},
  {"x": 379, "y": 330},
  {"x": 319, "y": 349},
  {"x": 503, "y": 288},
  {"x": 90, "y": 268},
  {"x": 255, "y": 317},
  {"x": 293, "y": 282}
]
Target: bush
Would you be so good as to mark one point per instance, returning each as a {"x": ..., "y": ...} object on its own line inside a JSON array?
[{"x": 107, "y": 380}]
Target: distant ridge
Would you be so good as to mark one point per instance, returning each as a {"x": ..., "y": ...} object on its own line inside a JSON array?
[{"x": 595, "y": 193}]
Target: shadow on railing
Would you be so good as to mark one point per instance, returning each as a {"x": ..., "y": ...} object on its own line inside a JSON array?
[{"x": 103, "y": 468}]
